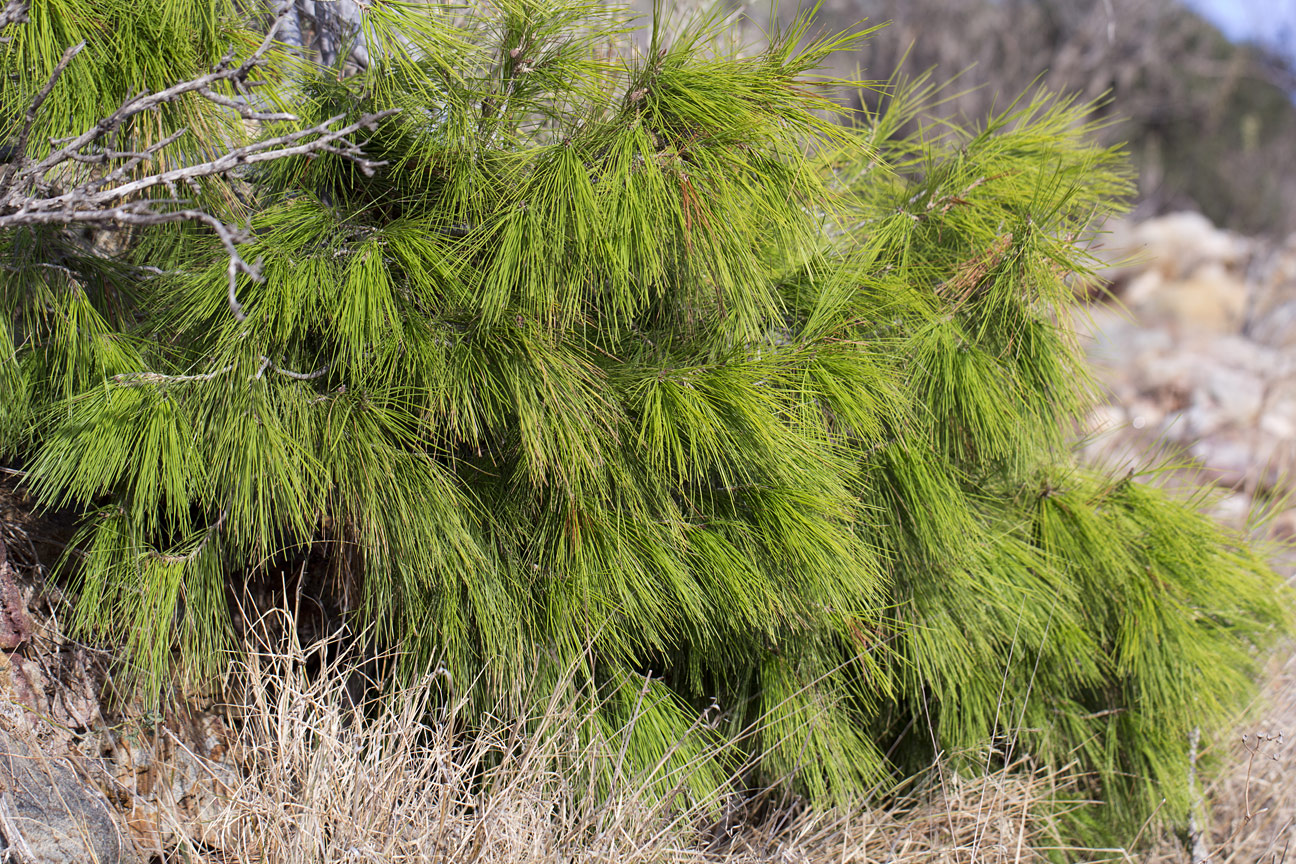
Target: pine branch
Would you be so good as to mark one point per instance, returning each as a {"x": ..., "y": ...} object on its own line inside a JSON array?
[
  {"x": 133, "y": 379},
  {"x": 27, "y": 188}
]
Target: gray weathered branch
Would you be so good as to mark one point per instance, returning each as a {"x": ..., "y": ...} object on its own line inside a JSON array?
[{"x": 14, "y": 12}]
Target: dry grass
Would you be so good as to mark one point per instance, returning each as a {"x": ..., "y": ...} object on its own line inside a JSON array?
[{"x": 323, "y": 782}]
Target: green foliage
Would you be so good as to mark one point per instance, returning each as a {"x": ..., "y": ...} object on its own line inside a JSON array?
[
  {"x": 129, "y": 48},
  {"x": 639, "y": 365}
]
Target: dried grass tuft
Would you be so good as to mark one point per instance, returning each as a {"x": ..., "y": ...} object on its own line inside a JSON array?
[{"x": 326, "y": 781}]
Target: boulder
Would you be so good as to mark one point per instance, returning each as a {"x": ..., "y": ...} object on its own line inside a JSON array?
[
  {"x": 49, "y": 814},
  {"x": 1271, "y": 319},
  {"x": 1179, "y": 271},
  {"x": 1209, "y": 300},
  {"x": 1179, "y": 244}
]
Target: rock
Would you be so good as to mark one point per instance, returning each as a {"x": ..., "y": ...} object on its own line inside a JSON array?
[
  {"x": 1200, "y": 355},
  {"x": 1182, "y": 242},
  {"x": 49, "y": 815},
  {"x": 1181, "y": 272},
  {"x": 1238, "y": 395},
  {"x": 1284, "y": 526},
  {"x": 1105, "y": 418},
  {"x": 174, "y": 790},
  {"x": 71, "y": 776},
  {"x": 1147, "y": 413},
  {"x": 1210, "y": 300},
  {"x": 1245, "y": 458},
  {"x": 1249, "y": 356},
  {"x": 1174, "y": 245},
  {"x": 1233, "y": 510},
  {"x": 1277, "y": 326},
  {"x": 1279, "y": 417},
  {"x": 15, "y": 623},
  {"x": 1141, "y": 289},
  {"x": 48, "y": 709},
  {"x": 1272, "y": 318}
]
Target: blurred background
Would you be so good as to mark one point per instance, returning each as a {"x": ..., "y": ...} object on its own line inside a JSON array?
[{"x": 1203, "y": 92}]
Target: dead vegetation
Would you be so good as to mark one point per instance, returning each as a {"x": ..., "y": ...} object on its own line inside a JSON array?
[{"x": 324, "y": 780}]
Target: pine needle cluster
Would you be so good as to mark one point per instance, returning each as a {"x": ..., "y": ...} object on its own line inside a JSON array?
[{"x": 639, "y": 363}]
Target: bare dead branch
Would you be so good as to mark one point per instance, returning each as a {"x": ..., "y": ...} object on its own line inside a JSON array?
[
  {"x": 302, "y": 376},
  {"x": 34, "y": 108},
  {"x": 90, "y": 195},
  {"x": 141, "y": 213},
  {"x": 135, "y": 379},
  {"x": 244, "y": 110},
  {"x": 133, "y": 160}
]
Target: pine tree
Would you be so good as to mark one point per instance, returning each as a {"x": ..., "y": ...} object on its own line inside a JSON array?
[{"x": 636, "y": 378}]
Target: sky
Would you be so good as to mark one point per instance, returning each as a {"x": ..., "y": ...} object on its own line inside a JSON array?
[{"x": 1272, "y": 22}]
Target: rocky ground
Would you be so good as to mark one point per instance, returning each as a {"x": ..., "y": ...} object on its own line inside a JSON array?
[
  {"x": 1196, "y": 351},
  {"x": 85, "y": 777}
]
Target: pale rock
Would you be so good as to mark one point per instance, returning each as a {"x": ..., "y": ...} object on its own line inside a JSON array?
[
  {"x": 1283, "y": 527},
  {"x": 1148, "y": 342},
  {"x": 1242, "y": 353},
  {"x": 1141, "y": 290},
  {"x": 1246, "y": 458},
  {"x": 1105, "y": 418},
  {"x": 1279, "y": 417},
  {"x": 1273, "y": 315},
  {"x": 1200, "y": 353},
  {"x": 1277, "y": 325},
  {"x": 1211, "y": 300},
  {"x": 1179, "y": 243},
  {"x": 49, "y": 814},
  {"x": 1237, "y": 394},
  {"x": 1181, "y": 272},
  {"x": 1233, "y": 509},
  {"x": 1166, "y": 374},
  {"x": 1107, "y": 334},
  {"x": 1172, "y": 245},
  {"x": 1146, "y": 413},
  {"x": 1200, "y": 420},
  {"x": 1226, "y": 458},
  {"x": 174, "y": 788},
  {"x": 1279, "y": 423}
]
